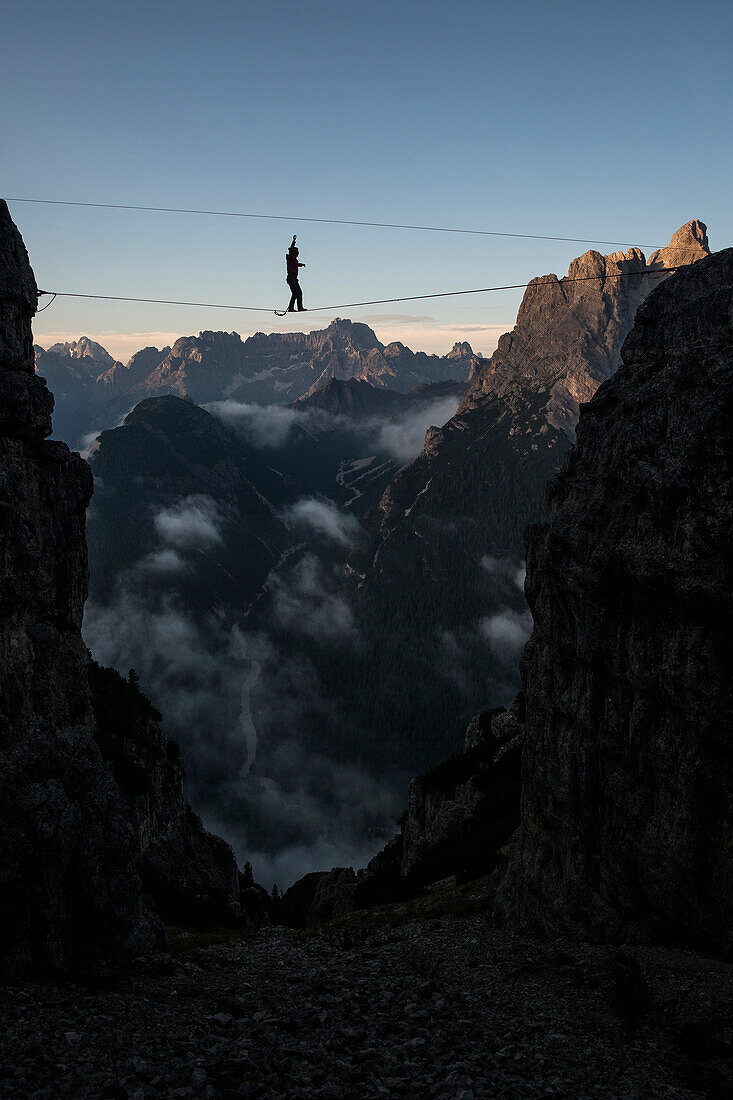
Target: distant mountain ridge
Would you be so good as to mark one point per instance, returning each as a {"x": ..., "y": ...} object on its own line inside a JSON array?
[
  {"x": 84, "y": 349},
  {"x": 281, "y": 367},
  {"x": 358, "y": 399},
  {"x": 278, "y": 368},
  {"x": 73, "y": 371}
]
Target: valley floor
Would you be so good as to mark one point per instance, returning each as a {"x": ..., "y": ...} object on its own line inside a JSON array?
[{"x": 427, "y": 1000}]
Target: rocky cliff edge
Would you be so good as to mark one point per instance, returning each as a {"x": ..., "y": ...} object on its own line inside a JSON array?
[
  {"x": 627, "y": 780},
  {"x": 90, "y": 802}
]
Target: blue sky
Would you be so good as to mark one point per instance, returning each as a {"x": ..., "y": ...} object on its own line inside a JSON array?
[{"x": 607, "y": 121}]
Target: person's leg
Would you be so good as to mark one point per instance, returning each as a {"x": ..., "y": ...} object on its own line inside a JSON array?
[
  {"x": 292, "y": 284},
  {"x": 299, "y": 295}
]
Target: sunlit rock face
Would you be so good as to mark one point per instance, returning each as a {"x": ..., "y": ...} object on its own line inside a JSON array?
[
  {"x": 569, "y": 331},
  {"x": 627, "y": 811},
  {"x": 281, "y": 367}
]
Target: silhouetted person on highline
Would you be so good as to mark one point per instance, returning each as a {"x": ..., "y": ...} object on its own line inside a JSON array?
[{"x": 296, "y": 294}]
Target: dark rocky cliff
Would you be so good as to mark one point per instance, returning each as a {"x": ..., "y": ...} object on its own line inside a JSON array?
[
  {"x": 68, "y": 883},
  {"x": 462, "y": 811},
  {"x": 74, "y": 836},
  {"x": 627, "y": 810}
]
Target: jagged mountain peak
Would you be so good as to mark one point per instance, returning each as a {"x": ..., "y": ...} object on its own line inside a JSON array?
[
  {"x": 17, "y": 280},
  {"x": 594, "y": 265},
  {"x": 83, "y": 348},
  {"x": 352, "y": 334},
  {"x": 179, "y": 421},
  {"x": 158, "y": 407},
  {"x": 208, "y": 339},
  {"x": 340, "y": 332},
  {"x": 460, "y": 350},
  {"x": 688, "y": 245},
  {"x": 569, "y": 331},
  {"x": 355, "y": 398},
  {"x": 149, "y": 355},
  {"x": 359, "y": 399}
]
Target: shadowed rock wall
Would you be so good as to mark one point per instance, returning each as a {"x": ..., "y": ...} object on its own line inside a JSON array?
[
  {"x": 90, "y": 791},
  {"x": 68, "y": 884}
]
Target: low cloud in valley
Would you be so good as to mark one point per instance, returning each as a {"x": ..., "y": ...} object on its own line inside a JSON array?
[
  {"x": 306, "y": 601},
  {"x": 323, "y": 517},
  {"x": 265, "y": 426},
  {"x": 507, "y": 633},
  {"x": 270, "y": 427},
  {"x": 404, "y": 439},
  {"x": 505, "y": 568},
  {"x": 192, "y": 523}
]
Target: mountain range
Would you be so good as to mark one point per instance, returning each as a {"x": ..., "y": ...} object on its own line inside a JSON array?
[
  {"x": 247, "y": 466},
  {"x": 94, "y": 392}
]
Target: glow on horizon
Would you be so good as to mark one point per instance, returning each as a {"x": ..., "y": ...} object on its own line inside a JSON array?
[{"x": 421, "y": 335}]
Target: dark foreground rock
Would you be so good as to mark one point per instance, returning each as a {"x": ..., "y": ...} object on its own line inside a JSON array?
[
  {"x": 93, "y": 824},
  {"x": 68, "y": 884},
  {"x": 399, "y": 1007},
  {"x": 627, "y": 785}
]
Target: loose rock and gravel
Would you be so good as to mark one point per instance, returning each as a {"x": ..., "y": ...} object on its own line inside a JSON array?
[{"x": 399, "y": 1002}]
